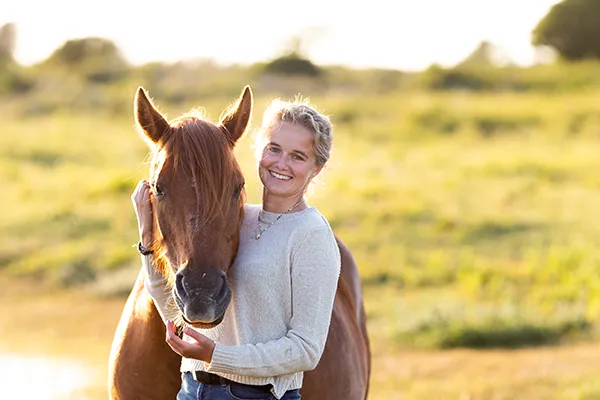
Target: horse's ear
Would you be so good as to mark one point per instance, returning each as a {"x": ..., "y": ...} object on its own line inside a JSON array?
[
  {"x": 149, "y": 120},
  {"x": 237, "y": 117}
]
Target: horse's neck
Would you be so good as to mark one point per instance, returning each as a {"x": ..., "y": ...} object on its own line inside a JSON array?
[{"x": 349, "y": 285}]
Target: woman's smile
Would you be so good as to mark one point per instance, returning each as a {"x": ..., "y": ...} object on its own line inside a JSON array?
[{"x": 279, "y": 176}]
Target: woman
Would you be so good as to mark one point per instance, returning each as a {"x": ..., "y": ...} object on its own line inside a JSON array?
[{"x": 283, "y": 280}]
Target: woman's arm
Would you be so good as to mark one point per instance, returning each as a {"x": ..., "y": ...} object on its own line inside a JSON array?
[
  {"x": 154, "y": 282},
  {"x": 315, "y": 272},
  {"x": 159, "y": 291}
]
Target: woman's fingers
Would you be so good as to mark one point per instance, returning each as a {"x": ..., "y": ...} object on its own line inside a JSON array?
[
  {"x": 140, "y": 186},
  {"x": 171, "y": 335},
  {"x": 179, "y": 345},
  {"x": 172, "y": 339},
  {"x": 194, "y": 334},
  {"x": 171, "y": 328},
  {"x": 141, "y": 195},
  {"x": 143, "y": 210},
  {"x": 200, "y": 350},
  {"x": 141, "y": 190}
]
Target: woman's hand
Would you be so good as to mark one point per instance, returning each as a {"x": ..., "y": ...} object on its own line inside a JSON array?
[
  {"x": 200, "y": 349},
  {"x": 143, "y": 210}
]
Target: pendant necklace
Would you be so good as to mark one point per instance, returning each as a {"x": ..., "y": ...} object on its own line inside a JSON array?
[{"x": 262, "y": 230}]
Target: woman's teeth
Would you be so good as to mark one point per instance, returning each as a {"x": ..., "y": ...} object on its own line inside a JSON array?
[{"x": 279, "y": 176}]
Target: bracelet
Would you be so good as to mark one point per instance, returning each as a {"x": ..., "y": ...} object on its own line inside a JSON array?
[{"x": 143, "y": 251}]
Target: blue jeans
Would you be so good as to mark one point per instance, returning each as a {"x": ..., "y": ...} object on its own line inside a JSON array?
[{"x": 227, "y": 390}]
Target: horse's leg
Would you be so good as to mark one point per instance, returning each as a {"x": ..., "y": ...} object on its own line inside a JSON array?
[{"x": 141, "y": 364}]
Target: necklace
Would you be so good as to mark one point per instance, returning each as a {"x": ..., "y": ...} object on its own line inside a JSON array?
[{"x": 262, "y": 230}]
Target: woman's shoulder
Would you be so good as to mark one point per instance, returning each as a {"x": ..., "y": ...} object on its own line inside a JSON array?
[
  {"x": 314, "y": 234},
  {"x": 251, "y": 212},
  {"x": 312, "y": 220},
  {"x": 252, "y": 207}
]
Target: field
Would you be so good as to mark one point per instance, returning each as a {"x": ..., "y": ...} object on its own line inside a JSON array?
[{"x": 472, "y": 217}]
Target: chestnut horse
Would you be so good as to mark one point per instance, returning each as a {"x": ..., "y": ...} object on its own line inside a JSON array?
[{"x": 197, "y": 197}]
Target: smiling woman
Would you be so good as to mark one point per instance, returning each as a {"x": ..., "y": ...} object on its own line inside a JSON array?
[{"x": 293, "y": 145}]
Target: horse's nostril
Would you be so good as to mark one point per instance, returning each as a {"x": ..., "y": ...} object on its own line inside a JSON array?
[
  {"x": 224, "y": 286},
  {"x": 180, "y": 287}
]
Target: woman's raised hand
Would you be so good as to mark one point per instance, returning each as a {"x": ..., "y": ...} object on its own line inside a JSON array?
[{"x": 143, "y": 210}]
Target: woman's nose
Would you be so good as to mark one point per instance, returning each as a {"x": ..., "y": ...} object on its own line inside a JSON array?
[{"x": 281, "y": 161}]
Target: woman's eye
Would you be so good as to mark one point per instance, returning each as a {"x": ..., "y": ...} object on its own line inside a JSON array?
[{"x": 273, "y": 149}]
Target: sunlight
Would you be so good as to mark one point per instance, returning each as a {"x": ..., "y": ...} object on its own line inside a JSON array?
[
  {"x": 402, "y": 35},
  {"x": 41, "y": 378}
]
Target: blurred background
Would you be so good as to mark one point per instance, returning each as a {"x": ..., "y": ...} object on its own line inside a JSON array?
[{"x": 465, "y": 176}]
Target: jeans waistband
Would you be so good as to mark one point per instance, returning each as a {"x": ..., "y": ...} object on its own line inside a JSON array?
[{"x": 212, "y": 379}]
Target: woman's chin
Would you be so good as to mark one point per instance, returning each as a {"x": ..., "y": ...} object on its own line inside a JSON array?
[{"x": 280, "y": 188}]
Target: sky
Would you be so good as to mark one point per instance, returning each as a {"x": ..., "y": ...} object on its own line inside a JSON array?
[{"x": 398, "y": 34}]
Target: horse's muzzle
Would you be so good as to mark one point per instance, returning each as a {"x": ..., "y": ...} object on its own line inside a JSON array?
[{"x": 202, "y": 296}]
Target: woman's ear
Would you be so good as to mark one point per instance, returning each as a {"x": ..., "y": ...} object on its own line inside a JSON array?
[{"x": 316, "y": 171}]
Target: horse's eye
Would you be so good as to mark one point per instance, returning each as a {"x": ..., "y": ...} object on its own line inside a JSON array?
[
  {"x": 158, "y": 192},
  {"x": 238, "y": 191}
]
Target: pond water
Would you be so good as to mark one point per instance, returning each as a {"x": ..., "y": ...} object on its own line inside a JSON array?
[{"x": 25, "y": 377}]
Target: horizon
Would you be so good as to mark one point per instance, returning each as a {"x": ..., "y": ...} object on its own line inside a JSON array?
[{"x": 358, "y": 38}]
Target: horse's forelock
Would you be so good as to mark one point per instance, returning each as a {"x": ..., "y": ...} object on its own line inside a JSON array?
[{"x": 203, "y": 153}]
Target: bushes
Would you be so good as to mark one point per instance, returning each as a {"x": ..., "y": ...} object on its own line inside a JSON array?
[
  {"x": 558, "y": 77},
  {"x": 292, "y": 64},
  {"x": 490, "y": 331}
]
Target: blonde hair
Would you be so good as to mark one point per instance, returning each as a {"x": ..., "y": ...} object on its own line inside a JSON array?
[{"x": 299, "y": 112}]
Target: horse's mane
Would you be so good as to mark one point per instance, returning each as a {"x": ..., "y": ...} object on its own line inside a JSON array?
[{"x": 201, "y": 151}]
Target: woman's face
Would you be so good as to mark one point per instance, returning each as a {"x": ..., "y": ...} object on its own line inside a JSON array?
[{"x": 288, "y": 160}]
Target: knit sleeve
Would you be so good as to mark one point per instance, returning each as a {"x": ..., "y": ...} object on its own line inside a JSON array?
[
  {"x": 157, "y": 288},
  {"x": 315, "y": 271}
]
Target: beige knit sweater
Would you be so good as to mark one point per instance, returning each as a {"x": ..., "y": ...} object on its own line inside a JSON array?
[{"x": 283, "y": 288}]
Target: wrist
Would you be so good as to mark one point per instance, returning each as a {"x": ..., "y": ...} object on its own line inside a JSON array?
[{"x": 209, "y": 352}]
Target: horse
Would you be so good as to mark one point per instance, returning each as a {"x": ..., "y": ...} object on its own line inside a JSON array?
[{"x": 197, "y": 193}]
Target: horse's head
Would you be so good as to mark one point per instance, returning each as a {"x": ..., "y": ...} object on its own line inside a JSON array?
[{"x": 197, "y": 199}]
